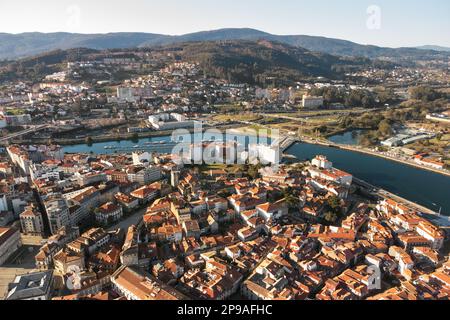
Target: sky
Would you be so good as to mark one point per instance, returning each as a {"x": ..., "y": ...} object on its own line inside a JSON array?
[{"x": 391, "y": 23}]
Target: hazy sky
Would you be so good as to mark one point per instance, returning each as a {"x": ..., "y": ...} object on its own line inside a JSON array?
[{"x": 381, "y": 22}]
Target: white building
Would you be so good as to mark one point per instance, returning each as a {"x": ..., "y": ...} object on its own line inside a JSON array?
[
  {"x": 264, "y": 153},
  {"x": 58, "y": 214},
  {"x": 146, "y": 175},
  {"x": 269, "y": 211},
  {"x": 164, "y": 121},
  {"x": 322, "y": 162}
]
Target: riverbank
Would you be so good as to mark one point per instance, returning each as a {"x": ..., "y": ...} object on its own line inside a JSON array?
[
  {"x": 433, "y": 216},
  {"x": 425, "y": 188},
  {"x": 118, "y": 137},
  {"x": 354, "y": 149},
  {"x": 373, "y": 153}
]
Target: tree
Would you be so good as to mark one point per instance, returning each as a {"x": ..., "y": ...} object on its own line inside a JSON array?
[
  {"x": 425, "y": 94},
  {"x": 291, "y": 200},
  {"x": 253, "y": 170},
  {"x": 334, "y": 203},
  {"x": 385, "y": 128},
  {"x": 89, "y": 141},
  {"x": 330, "y": 217},
  {"x": 135, "y": 137}
]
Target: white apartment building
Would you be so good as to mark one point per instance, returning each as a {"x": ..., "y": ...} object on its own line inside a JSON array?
[
  {"x": 322, "y": 162},
  {"x": 165, "y": 121},
  {"x": 58, "y": 214},
  {"x": 146, "y": 175}
]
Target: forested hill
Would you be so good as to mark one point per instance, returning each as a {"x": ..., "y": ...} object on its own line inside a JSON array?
[
  {"x": 255, "y": 62},
  {"x": 13, "y": 46},
  {"x": 260, "y": 61}
]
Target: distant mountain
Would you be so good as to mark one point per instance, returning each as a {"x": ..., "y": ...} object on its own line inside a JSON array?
[
  {"x": 13, "y": 46},
  {"x": 261, "y": 62},
  {"x": 264, "y": 62},
  {"x": 435, "y": 48}
]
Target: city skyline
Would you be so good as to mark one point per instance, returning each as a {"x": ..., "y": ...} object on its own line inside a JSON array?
[{"x": 381, "y": 23}]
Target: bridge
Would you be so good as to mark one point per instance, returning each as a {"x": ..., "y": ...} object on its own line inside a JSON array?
[
  {"x": 285, "y": 142},
  {"x": 24, "y": 132}
]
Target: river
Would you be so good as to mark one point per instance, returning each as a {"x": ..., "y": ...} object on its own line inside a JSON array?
[{"x": 427, "y": 188}]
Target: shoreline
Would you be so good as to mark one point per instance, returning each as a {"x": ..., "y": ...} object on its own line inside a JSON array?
[
  {"x": 375, "y": 154},
  {"x": 123, "y": 137},
  {"x": 329, "y": 145},
  {"x": 237, "y": 129}
]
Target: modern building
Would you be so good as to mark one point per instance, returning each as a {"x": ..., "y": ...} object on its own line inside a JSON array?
[
  {"x": 57, "y": 213},
  {"x": 264, "y": 154},
  {"x": 165, "y": 121}
]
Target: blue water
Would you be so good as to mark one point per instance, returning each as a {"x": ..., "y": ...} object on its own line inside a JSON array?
[
  {"x": 427, "y": 188},
  {"x": 128, "y": 145},
  {"x": 349, "y": 138}
]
